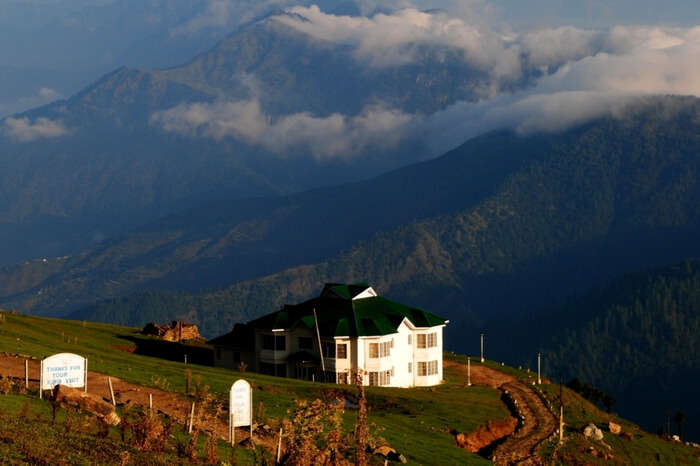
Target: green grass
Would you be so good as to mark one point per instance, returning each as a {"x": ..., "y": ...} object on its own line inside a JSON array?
[
  {"x": 30, "y": 434},
  {"x": 644, "y": 448},
  {"x": 416, "y": 422}
]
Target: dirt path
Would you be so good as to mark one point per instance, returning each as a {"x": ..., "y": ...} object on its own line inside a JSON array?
[
  {"x": 536, "y": 424},
  {"x": 174, "y": 405}
]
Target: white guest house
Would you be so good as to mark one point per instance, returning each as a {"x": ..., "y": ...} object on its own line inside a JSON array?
[{"x": 391, "y": 344}]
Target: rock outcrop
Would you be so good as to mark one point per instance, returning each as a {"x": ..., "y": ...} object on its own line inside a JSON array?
[
  {"x": 591, "y": 431},
  {"x": 87, "y": 402}
]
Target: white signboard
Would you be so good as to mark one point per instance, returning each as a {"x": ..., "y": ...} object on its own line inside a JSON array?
[
  {"x": 63, "y": 369},
  {"x": 241, "y": 403},
  {"x": 240, "y": 407}
]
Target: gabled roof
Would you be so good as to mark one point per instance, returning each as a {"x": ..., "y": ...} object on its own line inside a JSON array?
[
  {"x": 347, "y": 310},
  {"x": 343, "y": 291}
]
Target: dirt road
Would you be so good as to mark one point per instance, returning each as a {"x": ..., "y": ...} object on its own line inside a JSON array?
[{"x": 536, "y": 424}]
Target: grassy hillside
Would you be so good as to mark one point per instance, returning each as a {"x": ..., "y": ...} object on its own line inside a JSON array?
[{"x": 416, "y": 422}]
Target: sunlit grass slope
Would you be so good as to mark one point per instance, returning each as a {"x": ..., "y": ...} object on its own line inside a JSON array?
[{"x": 416, "y": 422}]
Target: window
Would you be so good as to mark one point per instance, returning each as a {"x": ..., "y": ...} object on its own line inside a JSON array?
[
  {"x": 341, "y": 350},
  {"x": 427, "y": 340},
  {"x": 280, "y": 370},
  {"x": 410, "y": 367},
  {"x": 385, "y": 378},
  {"x": 410, "y": 340},
  {"x": 343, "y": 377},
  {"x": 274, "y": 342},
  {"x": 432, "y": 368},
  {"x": 380, "y": 350},
  {"x": 373, "y": 378},
  {"x": 373, "y": 350},
  {"x": 380, "y": 378},
  {"x": 328, "y": 349},
  {"x": 385, "y": 349},
  {"x": 432, "y": 340},
  {"x": 427, "y": 368},
  {"x": 306, "y": 343}
]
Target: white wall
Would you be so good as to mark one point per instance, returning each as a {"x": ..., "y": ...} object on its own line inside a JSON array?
[
  {"x": 426, "y": 355},
  {"x": 401, "y": 354}
]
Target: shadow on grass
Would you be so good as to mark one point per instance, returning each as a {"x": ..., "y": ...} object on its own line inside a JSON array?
[{"x": 171, "y": 351}]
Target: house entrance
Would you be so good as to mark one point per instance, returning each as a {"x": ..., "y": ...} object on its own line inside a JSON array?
[{"x": 305, "y": 372}]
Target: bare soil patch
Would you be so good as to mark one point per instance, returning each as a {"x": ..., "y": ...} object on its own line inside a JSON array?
[{"x": 536, "y": 423}]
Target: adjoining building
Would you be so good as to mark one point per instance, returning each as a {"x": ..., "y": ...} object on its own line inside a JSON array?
[{"x": 391, "y": 344}]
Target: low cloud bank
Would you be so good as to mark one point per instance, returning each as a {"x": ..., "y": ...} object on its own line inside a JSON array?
[
  {"x": 24, "y": 130},
  {"x": 335, "y": 135}
]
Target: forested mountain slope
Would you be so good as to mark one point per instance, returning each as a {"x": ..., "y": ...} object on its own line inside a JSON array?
[
  {"x": 637, "y": 338},
  {"x": 610, "y": 197},
  {"x": 223, "y": 242}
]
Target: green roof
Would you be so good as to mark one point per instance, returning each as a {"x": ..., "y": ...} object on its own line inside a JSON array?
[{"x": 340, "y": 315}]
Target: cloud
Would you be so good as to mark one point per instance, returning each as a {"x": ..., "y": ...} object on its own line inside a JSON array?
[
  {"x": 334, "y": 135},
  {"x": 387, "y": 40},
  {"x": 604, "y": 84},
  {"x": 23, "y": 130},
  {"x": 228, "y": 14},
  {"x": 575, "y": 75}
]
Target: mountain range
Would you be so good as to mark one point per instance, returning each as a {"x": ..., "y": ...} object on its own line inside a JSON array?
[{"x": 120, "y": 152}]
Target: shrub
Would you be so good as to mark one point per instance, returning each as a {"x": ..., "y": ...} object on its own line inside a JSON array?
[{"x": 6, "y": 385}]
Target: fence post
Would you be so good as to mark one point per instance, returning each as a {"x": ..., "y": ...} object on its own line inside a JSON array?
[
  {"x": 111, "y": 391},
  {"x": 189, "y": 430}
]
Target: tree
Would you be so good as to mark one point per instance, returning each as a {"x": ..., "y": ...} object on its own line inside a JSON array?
[
  {"x": 608, "y": 401},
  {"x": 679, "y": 419}
]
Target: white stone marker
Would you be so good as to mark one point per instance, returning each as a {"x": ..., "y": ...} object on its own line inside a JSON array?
[
  {"x": 240, "y": 408},
  {"x": 66, "y": 369}
]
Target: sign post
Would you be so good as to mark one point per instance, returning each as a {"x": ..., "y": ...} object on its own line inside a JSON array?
[
  {"x": 63, "y": 369},
  {"x": 469, "y": 371},
  {"x": 482, "y": 347},
  {"x": 240, "y": 408}
]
